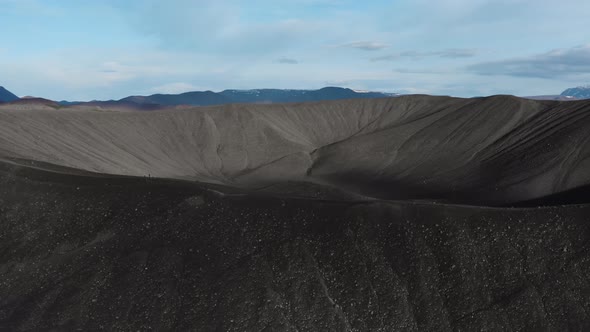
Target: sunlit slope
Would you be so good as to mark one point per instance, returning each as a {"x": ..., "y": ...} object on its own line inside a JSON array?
[{"x": 499, "y": 148}]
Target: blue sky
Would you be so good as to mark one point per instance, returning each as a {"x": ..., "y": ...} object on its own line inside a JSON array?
[{"x": 83, "y": 50}]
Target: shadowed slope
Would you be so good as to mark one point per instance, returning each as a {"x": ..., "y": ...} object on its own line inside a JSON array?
[
  {"x": 501, "y": 148},
  {"x": 6, "y": 96},
  {"x": 490, "y": 150},
  {"x": 87, "y": 253}
]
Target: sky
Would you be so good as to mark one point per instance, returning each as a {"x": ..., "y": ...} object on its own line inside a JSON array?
[{"x": 86, "y": 50}]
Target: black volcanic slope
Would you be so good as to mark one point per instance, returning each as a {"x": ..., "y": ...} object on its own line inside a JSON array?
[
  {"x": 27, "y": 104},
  {"x": 292, "y": 225},
  {"x": 486, "y": 151},
  {"x": 92, "y": 253}
]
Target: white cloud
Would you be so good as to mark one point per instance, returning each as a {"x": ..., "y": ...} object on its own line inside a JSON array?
[
  {"x": 30, "y": 8},
  {"x": 365, "y": 45},
  {"x": 219, "y": 27},
  {"x": 213, "y": 45},
  {"x": 453, "y": 53},
  {"x": 554, "y": 64},
  {"x": 287, "y": 61},
  {"x": 341, "y": 83},
  {"x": 175, "y": 88}
]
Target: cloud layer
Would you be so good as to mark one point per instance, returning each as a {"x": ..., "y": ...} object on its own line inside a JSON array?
[
  {"x": 555, "y": 64},
  {"x": 365, "y": 45},
  {"x": 416, "y": 55},
  {"x": 287, "y": 61},
  {"x": 70, "y": 50}
]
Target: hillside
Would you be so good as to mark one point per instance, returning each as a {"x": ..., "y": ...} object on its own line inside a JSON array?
[
  {"x": 7, "y": 96},
  {"x": 92, "y": 252},
  {"x": 581, "y": 92},
  {"x": 30, "y": 103},
  {"x": 260, "y": 96},
  {"x": 493, "y": 150},
  {"x": 357, "y": 215}
]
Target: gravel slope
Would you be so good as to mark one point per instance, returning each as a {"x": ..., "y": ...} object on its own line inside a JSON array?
[
  {"x": 80, "y": 252},
  {"x": 490, "y": 150},
  {"x": 284, "y": 232}
]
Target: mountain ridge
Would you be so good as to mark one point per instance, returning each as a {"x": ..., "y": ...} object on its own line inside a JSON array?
[
  {"x": 579, "y": 92},
  {"x": 261, "y": 96},
  {"x": 7, "y": 96},
  {"x": 234, "y": 96}
]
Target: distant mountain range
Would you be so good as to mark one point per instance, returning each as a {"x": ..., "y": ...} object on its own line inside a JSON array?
[
  {"x": 204, "y": 98},
  {"x": 7, "y": 96},
  {"x": 580, "y": 92},
  {"x": 262, "y": 96},
  {"x": 551, "y": 97}
]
